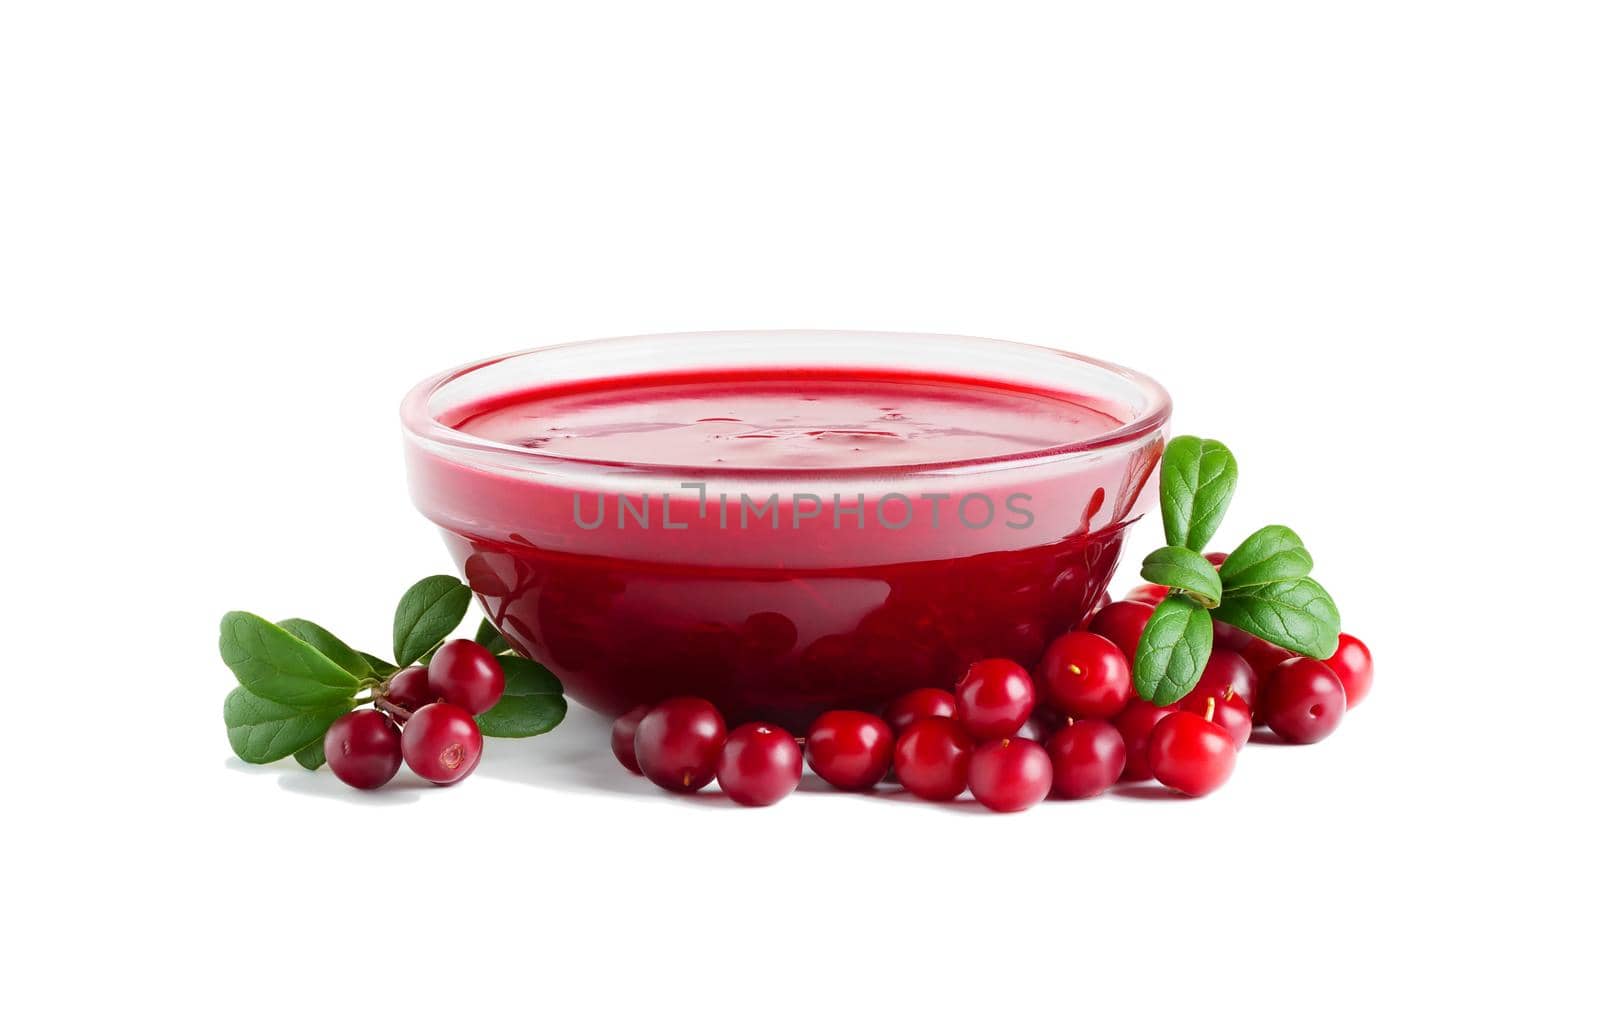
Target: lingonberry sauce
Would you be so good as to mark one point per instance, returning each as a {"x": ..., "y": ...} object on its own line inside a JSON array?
[{"x": 783, "y": 542}]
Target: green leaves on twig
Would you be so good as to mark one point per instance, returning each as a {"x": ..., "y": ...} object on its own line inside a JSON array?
[
  {"x": 1264, "y": 586},
  {"x": 296, "y": 678}
]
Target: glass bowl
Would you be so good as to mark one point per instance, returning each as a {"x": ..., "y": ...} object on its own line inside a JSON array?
[{"x": 636, "y": 581}]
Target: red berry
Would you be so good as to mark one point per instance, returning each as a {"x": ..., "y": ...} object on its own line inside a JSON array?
[
  {"x": 916, "y": 705},
  {"x": 363, "y": 749},
  {"x": 1102, "y": 601},
  {"x": 1150, "y": 594},
  {"x": 1228, "y": 712},
  {"x": 1227, "y": 671},
  {"x": 1087, "y": 757},
  {"x": 994, "y": 698},
  {"x": 759, "y": 765},
  {"x": 1190, "y": 754},
  {"x": 1264, "y": 657},
  {"x": 1122, "y": 623},
  {"x": 1304, "y": 701},
  {"x": 1084, "y": 675},
  {"x": 931, "y": 758},
  {"x": 622, "y": 732},
  {"x": 408, "y": 690},
  {"x": 1216, "y": 558},
  {"x": 441, "y": 743},
  {"x": 467, "y": 674},
  {"x": 1352, "y": 663},
  {"x": 1135, "y": 723},
  {"x": 1009, "y": 775},
  {"x": 850, "y": 750},
  {"x": 678, "y": 741}
]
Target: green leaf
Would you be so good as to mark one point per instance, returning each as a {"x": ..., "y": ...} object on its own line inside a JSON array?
[
  {"x": 1186, "y": 570},
  {"x": 274, "y": 664},
  {"x": 261, "y": 731},
  {"x": 1197, "y": 481},
  {"x": 428, "y": 612},
  {"x": 1272, "y": 554},
  {"x": 490, "y": 637},
  {"x": 312, "y": 756},
  {"x": 1173, "y": 651},
  {"x": 334, "y": 649},
  {"x": 532, "y": 704},
  {"x": 380, "y": 668},
  {"x": 1297, "y": 614}
]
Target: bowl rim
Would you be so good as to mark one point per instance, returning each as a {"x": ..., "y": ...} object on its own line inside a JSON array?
[{"x": 421, "y": 424}]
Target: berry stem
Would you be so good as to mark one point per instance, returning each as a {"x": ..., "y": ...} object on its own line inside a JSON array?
[{"x": 389, "y": 707}]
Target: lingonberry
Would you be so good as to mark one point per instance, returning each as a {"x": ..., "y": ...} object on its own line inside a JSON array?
[
  {"x": 1190, "y": 753},
  {"x": 759, "y": 765},
  {"x": 932, "y": 757},
  {"x": 1150, "y": 594},
  {"x": 1304, "y": 701},
  {"x": 1084, "y": 675},
  {"x": 1216, "y": 558},
  {"x": 1122, "y": 622},
  {"x": 1227, "y": 670},
  {"x": 850, "y": 750},
  {"x": 441, "y": 743},
  {"x": 622, "y": 732},
  {"x": 1264, "y": 658},
  {"x": 1009, "y": 775},
  {"x": 1086, "y": 758},
  {"x": 916, "y": 705},
  {"x": 1352, "y": 663},
  {"x": 1228, "y": 711},
  {"x": 467, "y": 674},
  {"x": 363, "y": 749},
  {"x": 408, "y": 690},
  {"x": 994, "y": 698},
  {"x": 678, "y": 741},
  {"x": 1135, "y": 723}
]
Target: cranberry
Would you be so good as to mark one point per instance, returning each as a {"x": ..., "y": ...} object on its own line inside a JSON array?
[
  {"x": 1009, "y": 775},
  {"x": 931, "y": 758},
  {"x": 441, "y": 743},
  {"x": 918, "y": 704},
  {"x": 1150, "y": 594},
  {"x": 850, "y": 750},
  {"x": 467, "y": 674},
  {"x": 1216, "y": 558},
  {"x": 1122, "y": 623},
  {"x": 1228, "y": 711},
  {"x": 1087, "y": 757},
  {"x": 1304, "y": 701},
  {"x": 363, "y": 749},
  {"x": 1227, "y": 671},
  {"x": 1189, "y": 753},
  {"x": 1085, "y": 676},
  {"x": 1135, "y": 723},
  {"x": 759, "y": 765},
  {"x": 1352, "y": 663},
  {"x": 622, "y": 732},
  {"x": 677, "y": 743},
  {"x": 408, "y": 690},
  {"x": 994, "y": 698}
]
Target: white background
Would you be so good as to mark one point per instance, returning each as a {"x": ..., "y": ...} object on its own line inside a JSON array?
[{"x": 1357, "y": 241}]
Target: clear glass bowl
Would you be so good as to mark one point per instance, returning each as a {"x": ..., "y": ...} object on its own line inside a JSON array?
[{"x": 806, "y": 609}]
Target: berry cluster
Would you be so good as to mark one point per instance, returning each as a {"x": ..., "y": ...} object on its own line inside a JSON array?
[
  {"x": 422, "y": 715},
  {"x": 1073, "y": 727}
]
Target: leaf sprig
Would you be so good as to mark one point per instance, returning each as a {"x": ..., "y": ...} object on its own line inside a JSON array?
[
  {"x": 1264, "y": 587},
  {"x": 296, "y": 678}
]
